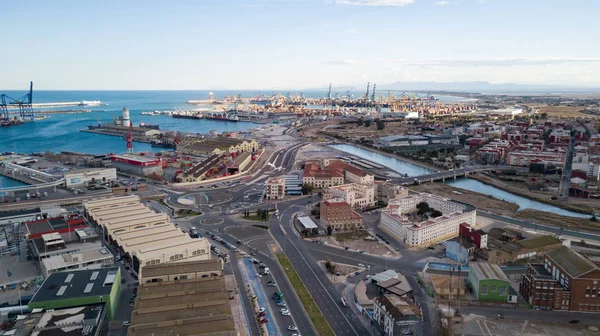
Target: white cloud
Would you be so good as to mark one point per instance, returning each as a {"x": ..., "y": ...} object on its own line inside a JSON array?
[
  {"x": 374, "y": 3},
  {"x": 342, "y": 62},
  {"x": 441, "y": 3},
  {"x": 496, "y": 62}
]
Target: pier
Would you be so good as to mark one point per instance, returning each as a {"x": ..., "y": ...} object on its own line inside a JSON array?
[
  {"x": 61, "y": 111},
  {"x": 111, "y": 133}
]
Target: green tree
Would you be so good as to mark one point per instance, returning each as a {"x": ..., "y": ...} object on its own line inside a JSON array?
[
  {"x": 329, "y": 230},
  {"x": 593, "y": 219},
  {"x": 380, "y": 124},
  {"x": 368, "y": 123},
  {"x": 360, "y": 121},
  {"x": 462, "y": 139},
  {"x": 436, "y": 213},
  {"x": 307, "y": 189}
]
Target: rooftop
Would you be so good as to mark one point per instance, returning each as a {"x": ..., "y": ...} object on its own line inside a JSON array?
[
  {"x": 571, "y": 262},
  {"x": 139, "y": 158},
  {"x": 307, "y": 222},
  {"x": 183, "y": 267},
  {"x": 66, "y": 260},
  {"x": 487, "y": 271},
  {"x": 76, "y": 284},
  {"x": 384, "y": 276},
  {"x": 537, "y": 242},
  {"x": 15, "y": 213}
]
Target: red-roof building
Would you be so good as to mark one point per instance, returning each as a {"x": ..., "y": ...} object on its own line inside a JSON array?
[{"x": 35, "y": 229}]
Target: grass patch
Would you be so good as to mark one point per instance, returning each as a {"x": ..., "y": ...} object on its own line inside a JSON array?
[
  {"x": 186, "y": 213},
  {"x": 317, "y": 318},
  {"x": 258, "y": 218}
]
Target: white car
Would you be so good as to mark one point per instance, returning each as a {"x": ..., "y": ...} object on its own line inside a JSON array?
[
  {"x": 126, "y": 323},
  {"x": 293, "y": 328},
  {"x": 262, "y": 309},
  {"x": 361, "y": 265}
]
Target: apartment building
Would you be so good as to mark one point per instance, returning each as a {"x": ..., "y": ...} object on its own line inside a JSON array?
[
  {"x": 524, "y": 158},
  {"x": 275, "y": 188},
  {"x": 357, "y": 195},
  {"x": 340, "y": 215},
  {"x": 437, "y": 229}
]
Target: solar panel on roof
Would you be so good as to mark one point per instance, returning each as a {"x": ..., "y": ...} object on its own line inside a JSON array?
[
  {"x": 94, "y": 276},
  {"x": 88, "y": 288},
  {"x": 61, "y": 290},
  {"x": 69, "y": 277}
]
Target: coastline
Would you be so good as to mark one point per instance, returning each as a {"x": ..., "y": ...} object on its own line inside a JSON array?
[{"x": 519, "y": 192}]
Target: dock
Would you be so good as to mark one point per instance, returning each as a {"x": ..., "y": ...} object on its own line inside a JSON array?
[
  {"x": 107, "y": 132},
  {"x": 61, "y": 111}
]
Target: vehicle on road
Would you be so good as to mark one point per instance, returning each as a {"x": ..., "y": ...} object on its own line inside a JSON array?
[
  {"x": 262, "y": 309},
  {"x": 293, "y": 328},
  {"x": 126, "y": 323},
  {"x": 281, "y": 304},
  {"x": 263, "y": 320},
  {"x": 344, "y": 303},
  {"x": 285, "y": 312}
]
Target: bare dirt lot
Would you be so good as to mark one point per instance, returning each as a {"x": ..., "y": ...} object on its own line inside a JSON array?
[
  {"x": 563, "y": 111},
  {"x": 359, "y": 241}
]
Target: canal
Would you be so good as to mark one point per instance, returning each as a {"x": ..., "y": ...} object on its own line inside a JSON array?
[{"x": 404, "y": 167}]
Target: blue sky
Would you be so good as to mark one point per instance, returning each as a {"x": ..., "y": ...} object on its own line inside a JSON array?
[{"x": 293, "y": 44}]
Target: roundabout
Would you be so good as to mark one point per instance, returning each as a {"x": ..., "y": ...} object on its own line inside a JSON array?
[
  {"x": 205, "y": 198},
  {"x": 212, "y": 221}
]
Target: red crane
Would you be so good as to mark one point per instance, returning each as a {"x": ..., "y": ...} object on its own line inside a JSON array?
[{"x": 129, "y": 139}]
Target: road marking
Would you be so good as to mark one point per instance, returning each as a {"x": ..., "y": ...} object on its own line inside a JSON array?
[
  {"x": 487, "y": 328},
  {"x": 524, "y": 326},
  {"x": 479, "y": 324}
]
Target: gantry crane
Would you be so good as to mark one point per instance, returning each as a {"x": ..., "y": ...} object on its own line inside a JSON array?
[{"x": 24, "y": 104}]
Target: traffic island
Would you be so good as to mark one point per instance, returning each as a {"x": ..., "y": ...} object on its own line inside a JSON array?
[{"x": 318, "y": 320}]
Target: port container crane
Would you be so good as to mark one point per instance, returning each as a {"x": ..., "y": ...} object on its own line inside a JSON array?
[{"x": 24, "y": 103}]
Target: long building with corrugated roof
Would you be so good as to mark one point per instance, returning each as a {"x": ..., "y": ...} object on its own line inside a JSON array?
[{"x": 142, "y": 235}]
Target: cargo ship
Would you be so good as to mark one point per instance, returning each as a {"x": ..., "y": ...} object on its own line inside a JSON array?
[
  {"x": 184, "y": 115},
  {"x": 223, "y": 116},
  {"x": 157, "y": 143}
]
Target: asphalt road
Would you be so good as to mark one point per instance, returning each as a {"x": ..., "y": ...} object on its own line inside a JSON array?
[
  {"x": 298, "y": 318},
  {"x": 341, "y": 319}
]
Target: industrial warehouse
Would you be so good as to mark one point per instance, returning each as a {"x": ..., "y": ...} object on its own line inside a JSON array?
[{"x": 141, "y": 235}]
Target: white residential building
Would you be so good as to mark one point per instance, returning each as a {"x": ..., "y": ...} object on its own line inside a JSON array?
[
  {"x": 357, "y": 195},
  {"x": 437, "y": 229},
  {"x": 407, "y": 204},
  {"x": 433, "y": 230}
]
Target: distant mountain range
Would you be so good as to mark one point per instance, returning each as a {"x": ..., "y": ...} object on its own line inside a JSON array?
[
  {"x": 486, "y": 87},
  {"x": 473, "y": 87}
]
